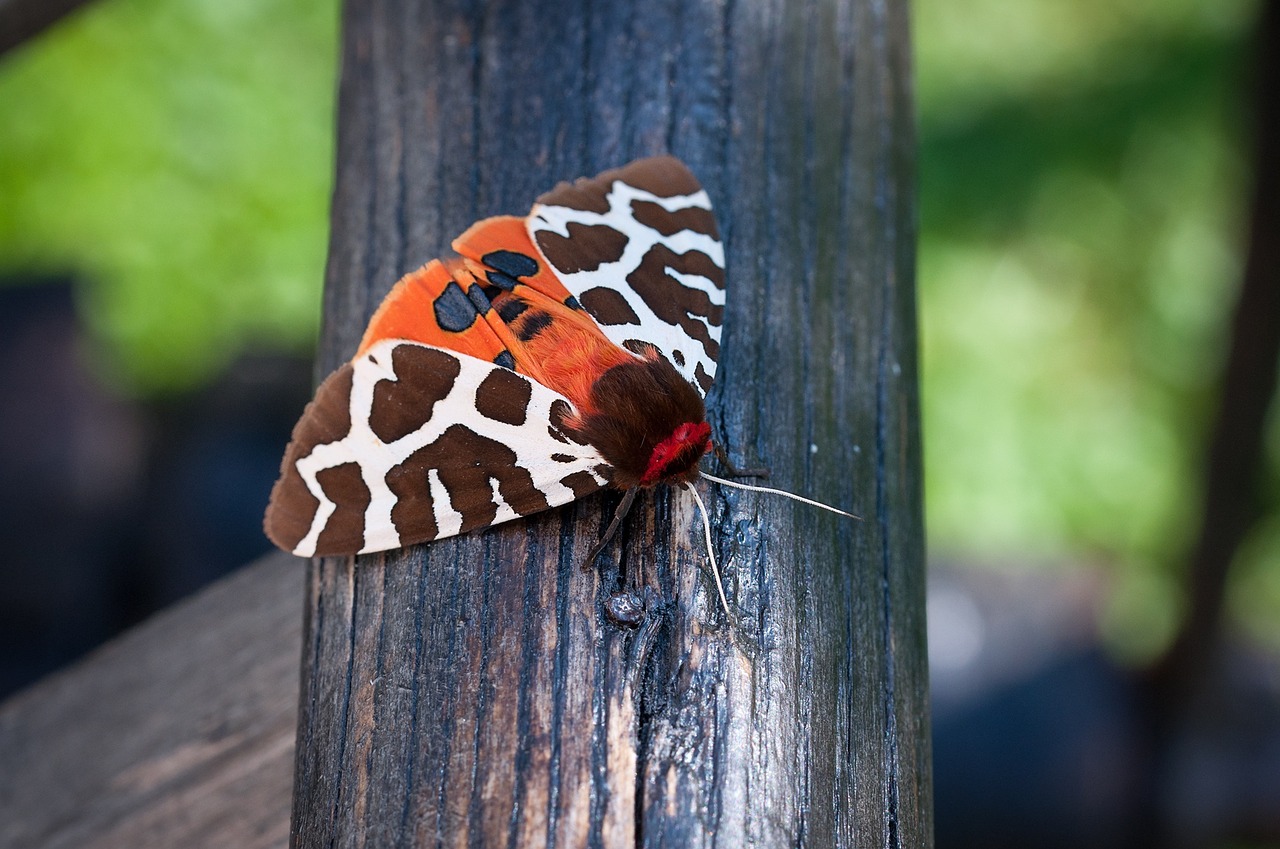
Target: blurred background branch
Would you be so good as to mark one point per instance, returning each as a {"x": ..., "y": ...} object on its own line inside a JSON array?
[
  {"x": 1234, "y": 478},
  {"x": 23, "y": 19}
]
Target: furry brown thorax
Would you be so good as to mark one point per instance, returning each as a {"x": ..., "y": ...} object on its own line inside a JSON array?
[{"x": 651, "y": 426}]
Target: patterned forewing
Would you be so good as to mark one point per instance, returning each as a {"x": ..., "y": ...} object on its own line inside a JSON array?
[
  {"x": 638, "y": 247},
  {"x": 429, "y": 443}
]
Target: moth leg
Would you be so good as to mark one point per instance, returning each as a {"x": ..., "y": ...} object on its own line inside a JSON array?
[
  {"x": 734, "y": 471},
  {"x": 618, "y": 516}
]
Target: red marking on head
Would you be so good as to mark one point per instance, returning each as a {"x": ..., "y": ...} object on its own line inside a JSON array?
[{"x": 696, "y": 435}]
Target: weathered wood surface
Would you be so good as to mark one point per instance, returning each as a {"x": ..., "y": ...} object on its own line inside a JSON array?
[
  {"x": 471, "y": 692},
  {"x": 178, "y": 734},
  {"x": 24, "y": 19}
]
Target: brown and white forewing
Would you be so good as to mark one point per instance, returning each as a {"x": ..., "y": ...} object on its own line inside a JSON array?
[
  {"x": 639, "y": 248},
  {"x": 410, "y": 443}
]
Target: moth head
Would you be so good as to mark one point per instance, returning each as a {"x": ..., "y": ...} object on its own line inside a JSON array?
[{"x": 675, "y": 459}]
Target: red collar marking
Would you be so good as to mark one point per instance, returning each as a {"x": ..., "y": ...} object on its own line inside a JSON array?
[{"x": 688, "y": 434}]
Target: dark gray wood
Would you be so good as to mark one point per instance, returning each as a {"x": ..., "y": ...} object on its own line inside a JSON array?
[
  {"x": 24, "y": 19},
  {"x": 179, "y": 733},
  {"x": 471, "y": 692}
]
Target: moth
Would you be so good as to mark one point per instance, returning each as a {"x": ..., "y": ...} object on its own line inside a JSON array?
[{"x": 558, "y": 354}]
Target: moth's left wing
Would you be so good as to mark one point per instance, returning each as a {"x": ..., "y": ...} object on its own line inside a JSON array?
[
  {"x": 639, "y": 249},
  {"x": 410, "y": 442}
]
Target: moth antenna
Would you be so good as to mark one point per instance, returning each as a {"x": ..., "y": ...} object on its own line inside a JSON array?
[
  {"x": 782, "y": 492},
  {"x": 706, "y": 527}
]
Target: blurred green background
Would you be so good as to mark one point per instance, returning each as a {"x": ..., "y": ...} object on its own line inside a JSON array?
[{"x": 1084, "y": 183}]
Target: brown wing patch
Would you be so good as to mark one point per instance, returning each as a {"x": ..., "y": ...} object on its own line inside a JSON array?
[
  {"x": 466, "y": 462},
  {"x": 582, "y": 483},
  {"x": 674, "y": 302},
  {"x": 667, "y": 223},
  {"x": 561, "y": 428},
  {"x": 504, "y": 397},
  {"x": 346, "y": 488},
  {"x": 608, "y": 307},
  {"x": 664, "y": 176},
  {"x": 587, "y": 247},
  {"x": 326, "y": 419},
  {"x": 401, "y": 406},
  {"x": 704, "y": 379}
]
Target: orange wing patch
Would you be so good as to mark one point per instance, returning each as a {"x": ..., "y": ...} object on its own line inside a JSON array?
[
  {"x": 503, "y": 304},
  {"x": 440, "y": 304},
  {"x": 501, "y": 254},
  {"x": 553, "y": 340}
]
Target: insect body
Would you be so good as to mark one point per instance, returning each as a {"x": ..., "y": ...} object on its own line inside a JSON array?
[
  {"x": 563, "y": 352},
  {"x": 560, "y": 353}
]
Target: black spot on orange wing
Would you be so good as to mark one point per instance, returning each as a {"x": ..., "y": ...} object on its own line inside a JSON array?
[
  {"x": 454, "y": 311},
  {"x": 572, "y": 303},
  {"x": 511, "y": 263},
  {"x": 505, "y": 360},
  {"x": 587, "y": 247},
  {"x": 608, "y": 307},
  {"x": 402, "y": 406},
  {"x": 344, "y": 532},
  {"x": 501, "y": 281},
  {"x": 504, "y": 397},
  {"x": 533, "y": 324},
  {"x": 509, "y": 308},
  {"x": 466, "y": 462},
  {"x": 507, "y": 267},
  {"x": 475, "y": 294}
]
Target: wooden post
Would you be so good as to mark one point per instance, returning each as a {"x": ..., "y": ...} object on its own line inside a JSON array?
[
  {"x": 177, "y": 733},
  {"x": 471, "y": 692}
]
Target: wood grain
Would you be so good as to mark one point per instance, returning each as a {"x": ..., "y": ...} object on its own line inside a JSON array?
[
  {"x": 179, "y": 733},
  {"x": 471, "y": 692}
]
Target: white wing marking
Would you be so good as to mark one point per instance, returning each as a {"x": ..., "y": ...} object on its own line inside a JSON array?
[
  {"x": 531, "y": 442},
  {"x": 640, "y": 239}
]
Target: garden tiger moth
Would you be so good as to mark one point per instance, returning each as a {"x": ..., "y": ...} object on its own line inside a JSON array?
[{"x": 558, "y": 354}]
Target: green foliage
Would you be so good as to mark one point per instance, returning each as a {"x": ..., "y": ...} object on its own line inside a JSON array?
[
  {"x": 1084, "y": 187},
  {"x": 175, "y": 157}
]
